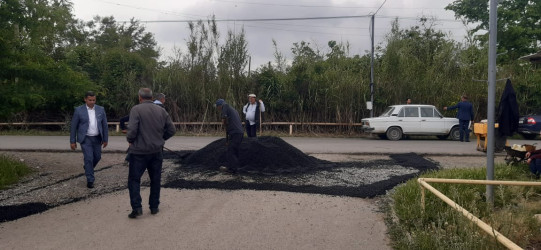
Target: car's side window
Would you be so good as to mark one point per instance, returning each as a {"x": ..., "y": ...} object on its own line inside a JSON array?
[
  {"x": 412, "y": 111},
  {"x": 427, "y": 112},
  {"x": 402, "y": 113}
]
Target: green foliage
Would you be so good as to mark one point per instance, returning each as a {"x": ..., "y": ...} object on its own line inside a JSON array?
[
  {"x": 518, "y": 24},
  {"x": 45, "y": 69},
  {"x": 442, "y": 227},
  {"x": 33, "y": 76},
  {"x": 11, "y": 171}
]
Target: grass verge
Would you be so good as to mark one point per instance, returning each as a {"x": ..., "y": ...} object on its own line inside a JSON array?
[
  {"x": 11, "y": 171},
  {"x": 442, "y": 227}
]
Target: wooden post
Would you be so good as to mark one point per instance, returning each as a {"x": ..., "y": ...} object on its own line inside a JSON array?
[{"x": 290, "y": 129}]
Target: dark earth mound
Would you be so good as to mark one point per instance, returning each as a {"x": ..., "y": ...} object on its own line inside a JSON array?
[{"x": 264, "y": 155}]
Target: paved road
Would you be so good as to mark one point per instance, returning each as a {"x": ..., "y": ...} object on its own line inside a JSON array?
[
  {"x": 217, "y": 219},
  {"x": 306, "y": 144}
]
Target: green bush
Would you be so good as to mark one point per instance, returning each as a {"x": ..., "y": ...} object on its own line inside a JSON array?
[
  {"x": 442, "y": 227},
  {"x": 11, "y": 171}
]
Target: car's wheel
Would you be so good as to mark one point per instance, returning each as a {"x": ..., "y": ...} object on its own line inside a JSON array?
[
  {"x": 382, "y": 136},
  {"x": 529, "y": 136},
  {"x": 455, "y": 133},
  {"x": 394, "y": 133},
  {"x": 442, "y": 137}
]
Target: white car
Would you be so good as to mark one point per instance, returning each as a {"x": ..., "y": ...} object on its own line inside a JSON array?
[{"x": 411, "y": 119}]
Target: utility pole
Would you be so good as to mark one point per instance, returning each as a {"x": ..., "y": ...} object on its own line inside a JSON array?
[
  {"x": 493, "y": 28},
  {"x": 372, "y": 66}
]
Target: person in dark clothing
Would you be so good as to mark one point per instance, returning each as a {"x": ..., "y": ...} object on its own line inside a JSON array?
[
  {"x": 158, "y": 100},
  {"x": 253, "y": 110},
  {"x": 465, "y": 115},
  {"x": 508, "y": 114},
  {"x": 150, "y": 126},
  {"x": 534, "y": 162},
  {"x": 234, "y": 135}
]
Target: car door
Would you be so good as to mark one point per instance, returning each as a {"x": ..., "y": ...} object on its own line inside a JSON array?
[
  {"x": 409, "y": 120},
  {"x": 431, "y": 121}
]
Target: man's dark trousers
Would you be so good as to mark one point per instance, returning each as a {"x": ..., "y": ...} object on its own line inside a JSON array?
[
  {"x": 138, "y": 164},
  {"x": 233, "y": 148},
  {"x": 91, "y": 147},
  {"x": 251, "y": 130},
  {"x": 464, "y": 128}
]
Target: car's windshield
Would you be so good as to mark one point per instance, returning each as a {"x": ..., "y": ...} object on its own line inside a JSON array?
[{"x": 387, "y": 112}]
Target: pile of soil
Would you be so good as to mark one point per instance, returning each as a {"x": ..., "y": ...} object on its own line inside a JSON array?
[{"x": 267, "y": 155}]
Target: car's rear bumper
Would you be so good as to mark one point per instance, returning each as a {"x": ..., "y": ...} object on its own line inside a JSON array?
[{"x": 527, "y": 131}]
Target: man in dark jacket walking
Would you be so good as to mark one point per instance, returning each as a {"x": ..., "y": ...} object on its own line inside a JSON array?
[
  {"x": 465, "y": 115},
  {"x": 150, "y": 126}
]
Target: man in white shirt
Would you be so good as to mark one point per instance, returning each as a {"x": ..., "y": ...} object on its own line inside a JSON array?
[
  {"x": 253, "y": 110},
  {"x": 89, "y": 128}
]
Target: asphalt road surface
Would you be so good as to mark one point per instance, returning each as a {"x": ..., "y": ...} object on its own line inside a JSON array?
[
  {"x": 306, "y": 144},
  {"x": 217, "y": 219}
]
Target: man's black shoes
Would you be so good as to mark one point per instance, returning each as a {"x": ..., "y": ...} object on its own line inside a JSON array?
[
  {"x": 136, "y": 212},
  {"x": 154, "y": 210},
  {"x": 90, "y": 184}
]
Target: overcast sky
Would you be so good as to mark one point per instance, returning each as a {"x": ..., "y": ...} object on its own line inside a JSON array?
[{"x": 260, "y": 34}]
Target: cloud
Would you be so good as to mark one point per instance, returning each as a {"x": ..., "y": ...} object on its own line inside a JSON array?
[{"x": 260, "y": 34}]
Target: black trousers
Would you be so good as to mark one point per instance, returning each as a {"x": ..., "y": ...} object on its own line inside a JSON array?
[
  {"x": 138, "y": 164},
  {"x": 251, "y": 130},
  {"x": 233, "y": 149}
]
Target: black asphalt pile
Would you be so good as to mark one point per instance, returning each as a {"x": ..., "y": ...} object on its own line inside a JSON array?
[
  {"x": 266, "y": 155},
  {"x": 269, "y": 163},
  {"x": 9, "y": 213}
]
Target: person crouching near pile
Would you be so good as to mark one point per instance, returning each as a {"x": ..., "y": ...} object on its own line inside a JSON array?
[
  {"x": 534, "y": 161},
  {"x": 150, "y": 126}
]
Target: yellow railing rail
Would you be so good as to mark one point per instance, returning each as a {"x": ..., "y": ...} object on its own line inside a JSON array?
[{"x": 485, "y": 227}]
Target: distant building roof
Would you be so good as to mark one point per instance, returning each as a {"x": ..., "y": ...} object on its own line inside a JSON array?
[{"x": 533, "y": 58}]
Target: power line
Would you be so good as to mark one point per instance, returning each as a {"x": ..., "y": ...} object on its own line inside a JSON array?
[
  {"x": 293, "y": 5},
  {"x": 255, "y": 19},
  {"x": 380, "y": 7}
]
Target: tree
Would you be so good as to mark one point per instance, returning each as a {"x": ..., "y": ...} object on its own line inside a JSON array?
[
  {"x": 519, "y": 30},
  {"x": 33, "y": 75}
]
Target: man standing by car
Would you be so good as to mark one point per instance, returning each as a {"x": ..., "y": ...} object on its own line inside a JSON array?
[
  {"x": 150, "y": 126},
  {"x": 465, "y": 115}
]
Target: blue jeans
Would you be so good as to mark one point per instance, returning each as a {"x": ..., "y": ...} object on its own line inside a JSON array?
[
  {"x": 535, "y": 167},
  {"x": 138, "y": 164},
  {"x": 464, "y": 126},
  {"x": 91, "y": 147}
]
